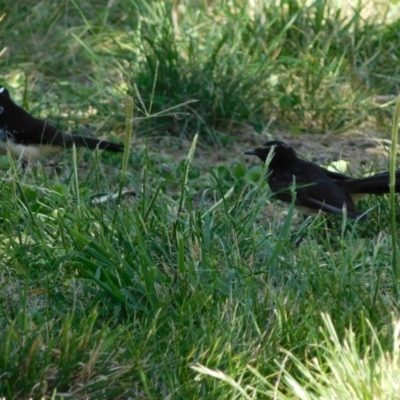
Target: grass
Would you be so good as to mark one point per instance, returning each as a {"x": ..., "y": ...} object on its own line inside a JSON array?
[{"x": 190, "y": 289}]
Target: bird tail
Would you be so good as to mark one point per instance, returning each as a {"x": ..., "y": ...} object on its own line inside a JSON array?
[
  {"x": 92, "y": 143},
  {"x": 374, "y": 184}
]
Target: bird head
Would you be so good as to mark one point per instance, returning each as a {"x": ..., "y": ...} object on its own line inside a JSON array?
[
  {"x": 4, "y": 94},
  {"x": 4, "y": 98},
  {"x": 280, "y": 151}
]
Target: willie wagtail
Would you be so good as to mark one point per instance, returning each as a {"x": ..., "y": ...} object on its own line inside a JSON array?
[
  {"x": 317, "y": 189},
  {"x": 29, "y": 138}
]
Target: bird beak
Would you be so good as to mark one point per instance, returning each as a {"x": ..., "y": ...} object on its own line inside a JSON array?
[{"x": 253, "y": 152}]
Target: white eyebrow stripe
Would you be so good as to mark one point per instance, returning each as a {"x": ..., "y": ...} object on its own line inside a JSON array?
[{"x": 1, "y": 89}]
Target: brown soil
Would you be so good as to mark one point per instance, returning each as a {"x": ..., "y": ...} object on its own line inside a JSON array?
[{"x": 364, "y": 150}]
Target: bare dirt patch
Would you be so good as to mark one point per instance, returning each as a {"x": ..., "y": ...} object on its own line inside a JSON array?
[{"x": 364, "y": 150}]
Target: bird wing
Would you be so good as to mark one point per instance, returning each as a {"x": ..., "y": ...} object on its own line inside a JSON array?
[
  {"x": 335, "y": 175},
  {"x": 27, "y": 130},
  {"x": 314, "y": 190}
]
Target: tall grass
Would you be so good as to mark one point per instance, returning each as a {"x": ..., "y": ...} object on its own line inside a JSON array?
[{"x": 189, "y": 289}]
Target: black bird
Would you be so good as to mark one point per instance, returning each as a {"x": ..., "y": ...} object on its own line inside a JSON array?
[
  {"x": 28, "y": 138},
  {"x": 317, "y": 189}
]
